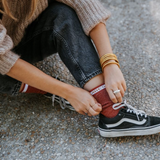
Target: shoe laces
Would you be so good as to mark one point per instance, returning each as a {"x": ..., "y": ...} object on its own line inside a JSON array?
[
  {"x": 62, "y": 102},
  {"x": 130, "y": 109}
]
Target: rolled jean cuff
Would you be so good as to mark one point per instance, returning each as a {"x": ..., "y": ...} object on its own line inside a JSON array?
[{"x": 89, "y": 77}]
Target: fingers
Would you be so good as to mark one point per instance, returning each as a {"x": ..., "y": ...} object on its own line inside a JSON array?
[
  {"x": 86, "y": 112},
  {"x": 97, "y": 107},
  {"x": 112, "y": 96},
  {"x": 116, "y": 97},
  {"x": 121, "y": 90},
  {"x": 120, "y": 94},
  {"x": 89, "y": 112},
  {"x": 124, "y": 86},
  {"x": 83, "y": 113},
  {"x": 92, "y": 112},
  {"x": 93, "y": 109},
  {"x": 114, "y": 80},
  {"x": 84, "y": 103}
]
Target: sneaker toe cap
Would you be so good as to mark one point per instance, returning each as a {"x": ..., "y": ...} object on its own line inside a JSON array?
[{"x": 154, "y": 120}]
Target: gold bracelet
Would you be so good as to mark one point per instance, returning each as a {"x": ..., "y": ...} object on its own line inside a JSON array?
[
  {"x": 110, "y": 63},
  {"x": 111, "y": 54},
  {"x": 107, "y": 56},
  {"x": 107, "y": 59},
  {"x": 107, "y": 63}
]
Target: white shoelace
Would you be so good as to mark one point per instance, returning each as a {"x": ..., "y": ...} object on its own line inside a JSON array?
[
  {"x": 129, "y": 109},
  {"x": 62, "y": 102}
]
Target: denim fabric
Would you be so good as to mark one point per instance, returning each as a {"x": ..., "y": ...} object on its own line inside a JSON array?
[{"x": 57, "y": 29}]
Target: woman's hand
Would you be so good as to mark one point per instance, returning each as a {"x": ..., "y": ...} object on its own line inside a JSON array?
[
  {"x": 114, "y": 80},
  {"x": 113, "y": 76},
  {"x": 83, "y": 102}
]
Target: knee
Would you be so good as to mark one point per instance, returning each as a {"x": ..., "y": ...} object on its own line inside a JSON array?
[
  {"x": 62, "y": 14},
  {"x": 62, "y": 10}
]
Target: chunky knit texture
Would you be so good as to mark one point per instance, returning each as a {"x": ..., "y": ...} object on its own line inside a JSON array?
[{"x": 90, "y": 13}]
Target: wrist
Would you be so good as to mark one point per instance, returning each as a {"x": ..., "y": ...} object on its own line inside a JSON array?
[
  {"x": 110, "y": 68},
  {"x": 68, "y": 91},
  {"x": 108, "y": 59}
]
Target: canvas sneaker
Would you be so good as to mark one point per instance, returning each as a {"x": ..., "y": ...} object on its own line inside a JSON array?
[
  {"x": 128, "y": 122},
  {"x": 62, "y": 102}
]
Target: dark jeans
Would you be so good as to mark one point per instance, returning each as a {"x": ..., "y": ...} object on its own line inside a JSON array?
[{"x": 57, "y": 29}]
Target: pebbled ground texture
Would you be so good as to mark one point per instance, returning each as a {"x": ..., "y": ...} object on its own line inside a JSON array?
[{"x": 31, "y": 128}]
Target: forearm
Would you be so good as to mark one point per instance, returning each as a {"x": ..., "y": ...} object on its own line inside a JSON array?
[
  {"x": 79, "y": 98},
  {"x": 100, "y": 38},
  {"x": 27, "y": 73},
  {"x": 113, "y": 76}
]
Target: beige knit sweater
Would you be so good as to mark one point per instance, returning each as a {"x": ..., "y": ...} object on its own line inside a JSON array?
[{"x": 90, "y": 13}]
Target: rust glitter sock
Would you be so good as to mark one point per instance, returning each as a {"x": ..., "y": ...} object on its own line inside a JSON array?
[
  {"x": 101, "y": 95},
  {"x": 28, "y": 89}
]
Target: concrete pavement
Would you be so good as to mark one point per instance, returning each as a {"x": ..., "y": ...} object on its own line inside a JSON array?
[{"x": 31, "y": 128}]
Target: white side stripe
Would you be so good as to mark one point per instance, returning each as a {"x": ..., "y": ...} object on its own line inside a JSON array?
[
  {"x": 126, "y": 120},
  {"x": 98, "y": 89},
  {"x": 25, "y": 88}
]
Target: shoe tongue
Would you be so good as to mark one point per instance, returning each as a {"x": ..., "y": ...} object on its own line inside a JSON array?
[
  {"x": 124, "y": 108},
  {"x": 134, "y": 112}
]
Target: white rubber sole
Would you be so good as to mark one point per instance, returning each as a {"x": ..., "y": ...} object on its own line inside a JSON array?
[{"x": 129, "y": 132}]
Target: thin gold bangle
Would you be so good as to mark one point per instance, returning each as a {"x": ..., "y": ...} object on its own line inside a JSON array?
[
  {"x": 107, "y": 63},
  {"x": 107, "y": 59},
  {"x": 107, "y": 56}
]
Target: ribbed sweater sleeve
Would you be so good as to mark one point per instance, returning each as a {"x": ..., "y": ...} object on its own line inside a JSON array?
[
  {"x": 90, "y": 12},
  {"x": 7, "y": 57}
]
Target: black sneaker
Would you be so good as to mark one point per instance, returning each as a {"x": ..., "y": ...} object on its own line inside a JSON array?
[
  {"x": 63, "y": 102},
  {"x": 128, "y": 122}
]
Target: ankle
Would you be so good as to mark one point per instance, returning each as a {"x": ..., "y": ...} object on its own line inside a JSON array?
[
  {"x": 101, "y": 95},
  {"x": 22, "y": 85},
  {"x": 94, "y": 82}
]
